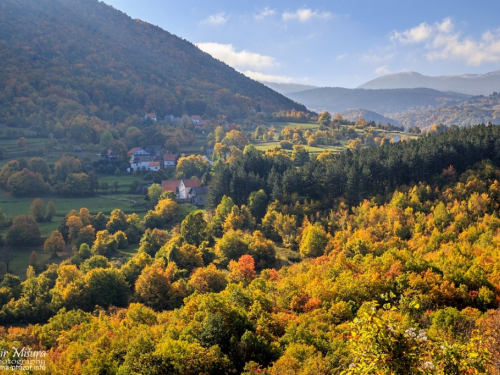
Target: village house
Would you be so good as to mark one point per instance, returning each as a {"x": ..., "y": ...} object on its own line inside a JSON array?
[
  {"x": 110, "y": 155},
  {"x": 136, "y": 151},
  {"x": 171, "y": 185},
  {"x": 186, "y": 185},
  {"x": 198, "y": 195},
  {"x": 183, "y": 189},
  {"x": 154, "y": 166},
  {"x": 195, "y": 119},
  {"x": 151, "y": 116},
  {"x": 172, "y": 118},
  {"x": 169, "y": 160},
  {"x": 142, "y": 163}
]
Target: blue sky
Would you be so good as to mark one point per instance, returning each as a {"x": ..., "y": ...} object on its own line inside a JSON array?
[{"x": 334, "y": 43}]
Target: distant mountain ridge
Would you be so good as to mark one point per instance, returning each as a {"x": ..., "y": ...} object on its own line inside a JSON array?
[
  {"x": 287, "y": 88},
  {"x": 336, "y": 99},
  {"x": 61, "y": 59},
  {"x": 356, "y": 114},
  {"x": 476, "y": 110},
  {"x": 471, "y": 84}
]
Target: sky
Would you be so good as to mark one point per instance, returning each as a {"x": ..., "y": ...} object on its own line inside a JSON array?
[{"x": 341, "y": 43}]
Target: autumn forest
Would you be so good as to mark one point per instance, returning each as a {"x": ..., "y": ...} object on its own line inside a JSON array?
[{"x": 304, "y": 243}]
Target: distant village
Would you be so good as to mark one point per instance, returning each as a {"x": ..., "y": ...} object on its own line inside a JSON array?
[{"x": 151, "y": 159}]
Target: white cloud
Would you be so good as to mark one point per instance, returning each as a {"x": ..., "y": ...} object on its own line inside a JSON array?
[
  {"x": 444, "y": 43},
  {"x": 216, "y": 19},
  {"x": 304, "y": 15},
  {"x": 416, "y": 35},
  {"x": 382, "y": 70},
  {"x": 266, "y": 12},
  {"x": 258, "y": 76},
  {"x": 242, "y": 59},
  {"x": 341, "y": 57},
  {"x": 452, "y": 47}
]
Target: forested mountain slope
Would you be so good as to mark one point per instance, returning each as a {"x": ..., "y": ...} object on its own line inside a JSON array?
[
  {"x": 336, "y": 99},
  {"x": 405, "y": 280},
  {"x": 61, "y": 58},
  {"x": 478, "y": 109}
]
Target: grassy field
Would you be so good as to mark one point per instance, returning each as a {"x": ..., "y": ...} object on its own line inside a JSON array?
[
  {"x": 342, "y": 143},
  {"x": 14, "y": 206},
  {"x": 279, "y": 126},
  {"x": 21, "y": 256}
]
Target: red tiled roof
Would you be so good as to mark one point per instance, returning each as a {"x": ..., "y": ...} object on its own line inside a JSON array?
[
  {"x": 170, "y": 157},
  {"x": 196, "y": 117},
  {"x": 154, "y": 163},
  {"x": 151, "y": 115},
  {"x": 133, "y": 150},
  {"x": 194, "y": 182},
  {"x": 170, "y": 185}
]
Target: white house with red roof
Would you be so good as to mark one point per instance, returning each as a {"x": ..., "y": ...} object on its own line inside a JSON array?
[
  {"x": 169, "y": 160},
  {"x": 154, "y": 166},
  {"x": 195, "y": 118},
  {"x": 185, "y": 186}
]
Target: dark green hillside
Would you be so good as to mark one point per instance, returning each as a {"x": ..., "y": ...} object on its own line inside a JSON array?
[{"x": 63, "y": 58}]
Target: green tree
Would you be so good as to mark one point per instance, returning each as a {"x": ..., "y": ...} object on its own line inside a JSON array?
[
  {"x": 223, "y": 209},
  {"x": 95, "y": 261},
  {"x": 231, "y": 246},
  {"x": 324, "y": 119},
  {"x": 51, "y": 211},
  {"x": 262, "y": 250},
  {"x": 257, "y": 204},
  {"x": 313, "y": 242},
  {"x": 239, "y": 218},
  {"x": 300, "y": 156},
  {"x": 104, "y": 244},
  {"x": 37, "y": 210},
  {"x": 154, "y": 192},
  {"x": 39, "y": 165},
  {"x": 163, "y": 213},
  {"x": 117, "y": 221},
  {"x": 219, "y": 133},
  {"x": 24, "y": 232},
  {"x": 22, "y": 142},
  {"x": 8, "y": 170},
  {"x": 65, "y": 166},
  {"x": 259, "y": 132},
  {"x": 86, "y": 235},
  {"x": 76, "y": 185},
  {"x": 106, "y": 287},
  {"x": 34, "y": 262},
  {"x": 235, "y": 138},
  {"x": 25, "y": 183},
  {"x": 152, "y": 240},
  {"x": 194, "y": 228},
  {"x": 192, "y": 165}
]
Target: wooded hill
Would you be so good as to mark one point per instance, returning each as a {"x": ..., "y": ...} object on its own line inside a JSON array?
[
  {"x": 337, "y": 99},
  {"x": 478, "y": 109},
  {"x": 404, "y": 281},
  {"x": 61, "y": 59}
]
